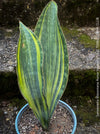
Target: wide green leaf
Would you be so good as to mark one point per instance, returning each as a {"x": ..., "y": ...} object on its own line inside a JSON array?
[{"x": 55, "y": 62}]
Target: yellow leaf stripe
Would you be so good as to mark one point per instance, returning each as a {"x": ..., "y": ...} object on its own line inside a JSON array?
[
  {"x": 62, "y": 71},
  {"x": 39, "y": 72}
]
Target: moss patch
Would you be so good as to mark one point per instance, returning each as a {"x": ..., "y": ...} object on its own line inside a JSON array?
[
  {"x": 87, "y": 41},
  {"x": 73, "y": 33},
  {"x": 70, "y": 33}
]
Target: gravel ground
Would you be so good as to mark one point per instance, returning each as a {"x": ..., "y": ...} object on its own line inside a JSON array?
[
  {"x": 7, "y": 118},
  {"x": 79, "y": 56}
]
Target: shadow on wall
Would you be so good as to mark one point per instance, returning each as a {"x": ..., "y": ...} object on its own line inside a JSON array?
[
  {"x": 80, "y": 12},
  {"x": 8, "y": 86},
  {"x": 81, "y": 83}
]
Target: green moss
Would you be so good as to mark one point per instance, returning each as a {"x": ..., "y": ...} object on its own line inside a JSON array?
[
  {"x": 73, "y": 32},
  {"x": 83, "y": 39},
  {"x": 87, "y": 41},
  {"x": 70, "y": 33}
]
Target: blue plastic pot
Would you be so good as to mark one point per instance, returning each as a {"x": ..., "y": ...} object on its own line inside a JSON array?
[{"x": 61, "y": 103}]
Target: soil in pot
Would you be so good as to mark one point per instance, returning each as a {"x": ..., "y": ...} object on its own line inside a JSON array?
[{"x": 60, "y": 123}]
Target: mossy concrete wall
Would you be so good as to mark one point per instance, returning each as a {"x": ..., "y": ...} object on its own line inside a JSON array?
[{"x": 81, "y": 83}]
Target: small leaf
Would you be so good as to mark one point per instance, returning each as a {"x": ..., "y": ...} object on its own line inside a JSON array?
[{"x": 29, "y": 63}]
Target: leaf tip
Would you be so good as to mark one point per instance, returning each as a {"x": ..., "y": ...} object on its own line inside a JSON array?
[
  {"x": 20, "y": 23},
  {"x": 21, "y": 26},
  {"x": 53, "y": 3}
]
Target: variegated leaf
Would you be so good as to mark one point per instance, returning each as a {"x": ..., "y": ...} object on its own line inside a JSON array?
[
  {"x": 42, "y": 64},
  {"x": 55, "y": 63},
  {"x": 29, "y": 71}
]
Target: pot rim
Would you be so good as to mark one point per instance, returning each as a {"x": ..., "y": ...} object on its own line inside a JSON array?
[{"x": 62, "y": 103}]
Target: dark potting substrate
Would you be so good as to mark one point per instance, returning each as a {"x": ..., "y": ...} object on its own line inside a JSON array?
[{"x": 60, "y": 123}]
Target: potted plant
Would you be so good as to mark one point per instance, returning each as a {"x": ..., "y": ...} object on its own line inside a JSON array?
[{"x": 42, "y": 67}]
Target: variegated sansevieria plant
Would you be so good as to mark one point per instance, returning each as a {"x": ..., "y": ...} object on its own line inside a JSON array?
[{"x": 42, "y": 64}]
